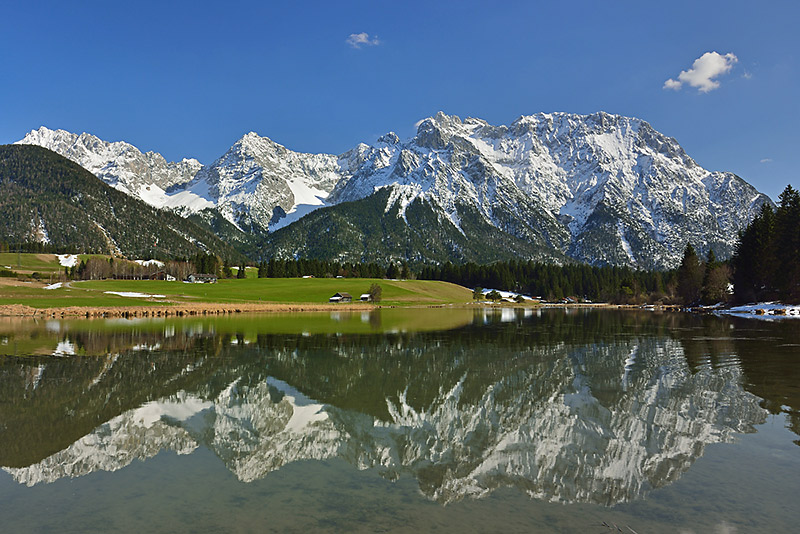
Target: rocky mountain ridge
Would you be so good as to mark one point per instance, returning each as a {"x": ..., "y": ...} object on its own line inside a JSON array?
[
  {"x": 119, "y": 164},
  {"x": 600, "y": 188}
]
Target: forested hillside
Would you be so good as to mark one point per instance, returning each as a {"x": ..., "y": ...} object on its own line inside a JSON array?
[
  {"x": 48, "y": 199},
  {"x": 365, "y": 231}
]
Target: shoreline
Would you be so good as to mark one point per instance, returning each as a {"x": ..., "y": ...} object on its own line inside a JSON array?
[
  {"x": 175, "y": 310},
  {"x": 212, "y": 309}
]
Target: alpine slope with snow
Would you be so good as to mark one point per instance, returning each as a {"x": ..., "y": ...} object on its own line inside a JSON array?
[
  {"x": 259, "y": 184},
  {"x": 120, "y": 164},
  {"x": 600, "y": 188}
]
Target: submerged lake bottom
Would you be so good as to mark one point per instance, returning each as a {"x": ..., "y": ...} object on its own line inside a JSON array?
[{"x": 513, "y": 420}]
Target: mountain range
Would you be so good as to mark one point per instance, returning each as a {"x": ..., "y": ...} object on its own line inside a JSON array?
[{"x": 556, "y": 187}]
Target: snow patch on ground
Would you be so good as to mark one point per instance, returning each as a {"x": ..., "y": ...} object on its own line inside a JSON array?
[
  {"x": 145, "y": 263},
  {"x": 134, "y": 294},
  {"x": 507, "y": 294},
  {"x": 768, "y": 311},
  {"x": 67, "y": 260},
  {"x": 64, "y": 348}
]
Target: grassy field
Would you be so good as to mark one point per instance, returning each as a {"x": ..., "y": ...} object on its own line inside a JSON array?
[
  {"x": 289, "y": 290},
  {"x": 231, "y": 291},
  {"x": 44, "y": 264},
  {"x": 265, "y": 290}
]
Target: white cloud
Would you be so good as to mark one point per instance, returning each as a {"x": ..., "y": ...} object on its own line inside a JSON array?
[
  {"x": 766, "y": 160},
  {"x": 703, "y": 72},
  {"x": 357, "y": 40}
]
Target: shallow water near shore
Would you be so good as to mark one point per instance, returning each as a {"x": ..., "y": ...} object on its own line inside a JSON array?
[{"x": 512, "y": 420}]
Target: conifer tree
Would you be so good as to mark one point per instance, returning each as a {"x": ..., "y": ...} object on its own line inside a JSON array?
[
  {"x": 690, "y": 276},
  {"x": 754, "y": 259},
  {"x": 787, "y": 245}
]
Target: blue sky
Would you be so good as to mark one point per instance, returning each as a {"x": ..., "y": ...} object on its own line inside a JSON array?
[{"x": 187, "y": 79}]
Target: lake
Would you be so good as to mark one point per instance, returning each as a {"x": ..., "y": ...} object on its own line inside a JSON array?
[{"x": 401, "y": 420}]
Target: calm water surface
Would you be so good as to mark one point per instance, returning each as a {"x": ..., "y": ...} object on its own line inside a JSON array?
[{"x": 402, "y": 421}]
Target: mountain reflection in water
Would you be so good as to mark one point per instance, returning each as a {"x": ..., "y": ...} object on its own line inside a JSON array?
[{"x": 596, "y": 407}]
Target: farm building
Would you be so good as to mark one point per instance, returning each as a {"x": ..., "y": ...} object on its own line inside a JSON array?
[
  {"x": 162, "y": 275},
  {"x": 341, "y": 297}
]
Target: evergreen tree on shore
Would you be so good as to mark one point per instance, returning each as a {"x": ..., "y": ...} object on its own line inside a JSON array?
[
  {"x": 767, "y": 258},
  {"x": 787, "y": 244},
  {"x": 690, "y": 276}
]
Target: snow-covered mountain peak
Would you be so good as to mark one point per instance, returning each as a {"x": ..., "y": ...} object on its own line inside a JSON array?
[
  {"x": 435, "y": 132},
  {"x": 610, "y": 188},
  {"x": 255, "y": 144},
  {"x": 144, "y": 175},
  {"x": 389, "y": 138},
  {"x": 260, "y": 184}
]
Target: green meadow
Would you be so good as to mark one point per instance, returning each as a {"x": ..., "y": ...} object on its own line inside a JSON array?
[
  {"x": 249, "y": 290},
  {"x": 45, "y": 264},
  {"x": 283, "y": 290},
  {"x": 229, "y": 291}
]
